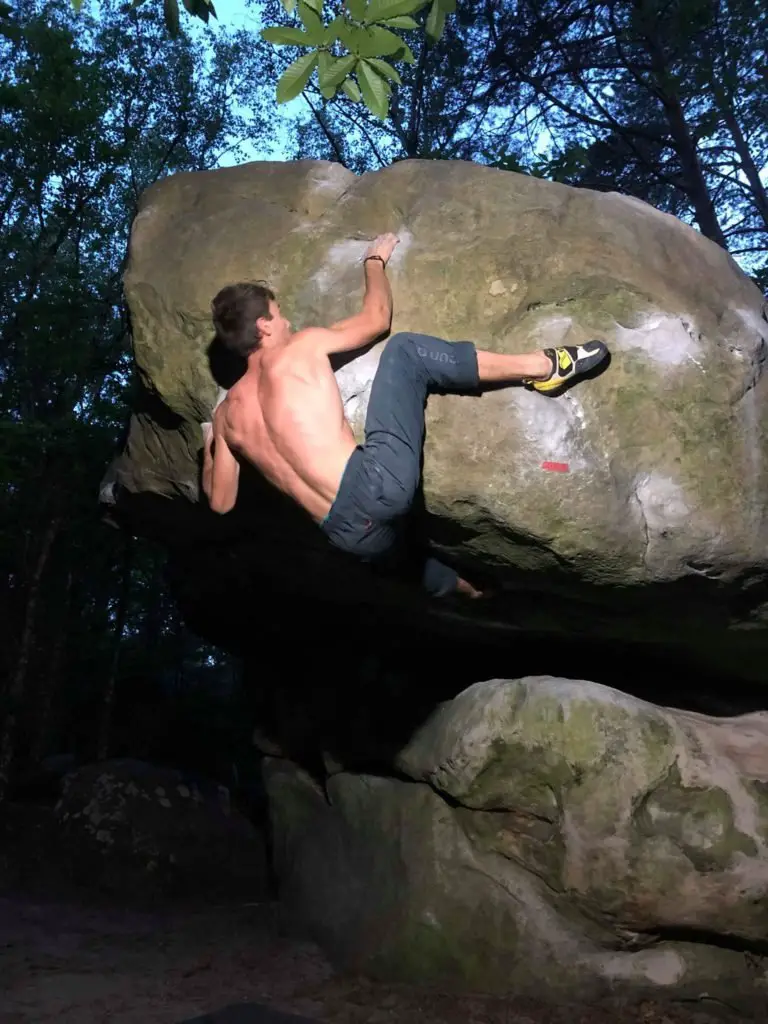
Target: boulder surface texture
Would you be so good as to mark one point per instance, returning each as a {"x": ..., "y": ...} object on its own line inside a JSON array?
[
  {"x": 544, "y": 835},
  {"x": 632, "y": 507}
]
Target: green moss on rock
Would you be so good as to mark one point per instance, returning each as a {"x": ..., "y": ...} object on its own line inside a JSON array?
[{"x": 699, "y": 820}]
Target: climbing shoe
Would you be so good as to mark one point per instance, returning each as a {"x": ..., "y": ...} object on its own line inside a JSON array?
[{"x": 568, "y": 364}]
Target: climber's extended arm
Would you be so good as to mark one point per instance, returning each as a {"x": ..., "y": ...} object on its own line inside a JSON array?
[{"x": 373, "y": 320}]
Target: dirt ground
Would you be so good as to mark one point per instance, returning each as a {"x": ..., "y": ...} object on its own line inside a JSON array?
[
  {"x": 69, "y": 957},
  {"x": 74, "y": 964}
]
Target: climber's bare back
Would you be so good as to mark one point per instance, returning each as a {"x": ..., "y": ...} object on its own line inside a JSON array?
[
  {"x": 286, "y": 417},
  {"x": 285, "y": 414}
]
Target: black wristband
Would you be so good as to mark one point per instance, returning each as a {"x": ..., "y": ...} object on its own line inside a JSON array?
[{"x": 379, "y": 258}]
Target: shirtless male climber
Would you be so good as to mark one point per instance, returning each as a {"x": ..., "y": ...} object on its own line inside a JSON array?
[{"x": 285, "y": 415}]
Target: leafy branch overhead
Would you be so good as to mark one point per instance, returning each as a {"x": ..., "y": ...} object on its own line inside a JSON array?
[{"x": 347, "y": 51}]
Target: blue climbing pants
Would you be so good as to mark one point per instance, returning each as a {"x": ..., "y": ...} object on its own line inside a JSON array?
[{"x": 369, "y": 517}]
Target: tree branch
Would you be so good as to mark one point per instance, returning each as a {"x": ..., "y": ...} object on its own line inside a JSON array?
[{"x": 331, "y": 138}]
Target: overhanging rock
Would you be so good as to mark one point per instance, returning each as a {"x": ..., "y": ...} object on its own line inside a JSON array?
[{"x": 633, "y": 507}]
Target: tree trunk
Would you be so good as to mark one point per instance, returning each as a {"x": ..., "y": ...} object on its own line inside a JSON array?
[
  {"x": 682, "y": 139},
  {"x": 180, "y": 638},
  {"x": 50, "y": 683},
  {"x": 18, "y": 683},
  {"x": 748, "y": 166},
  {"x": 414, "y": 144},
  {"x": 110, "y": 686},
  {"x": 703, "y": 205},
  {"x": 153, "y": 605}
]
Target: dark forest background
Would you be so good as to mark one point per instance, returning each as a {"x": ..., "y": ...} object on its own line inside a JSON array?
[{"x": 666, "y": 100}]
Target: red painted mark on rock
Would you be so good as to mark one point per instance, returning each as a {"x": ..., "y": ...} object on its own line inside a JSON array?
[{"x": 556, "y": 467}]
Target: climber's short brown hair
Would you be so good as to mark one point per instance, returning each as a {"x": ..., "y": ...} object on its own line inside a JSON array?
[{"x": 235, "y": 310}]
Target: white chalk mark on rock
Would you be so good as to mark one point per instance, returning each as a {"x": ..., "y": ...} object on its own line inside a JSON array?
[
  {"x": 554, "y": 429},
  {"x": 355, "y": 380},
  {"x": 347, "y": 257},
  {"x": 402, "y": 247},
  {"x": 663, "y": 502},
  {"x": 668, "y": 340},
  {"x": 753, "y": 321},
  {"x": 498, "y": 287},
  {"x": 660, "y": 504},
  {"x": 551, "y": 330},
  {"x": 341, "y": 257},
  {"x": 331, "y": 177}
]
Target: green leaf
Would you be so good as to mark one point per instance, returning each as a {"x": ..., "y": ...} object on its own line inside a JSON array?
[
  {"x": 334, "y": 72},
  {"x": 350, "y": 35},
  {"x": 378, "y": 42},
  {"x": 171, "y": 14},
  {"x": 381, "y": 10},
  {"x": 294, "y": 79},
  {"x": 384, "y": 69},
  {"x": 350, "y": 88},
  {"x": 288, "y": 5},
  {"x": 356, "y": 8},
  {"x": 316, "y": 5},
  {"x": 449, "y": 6},
  {"x": 370, "y": 41},
  {"x": 198, "y": 9},
  {"x": 375, "y": 91},
  {"x": 401, "y": 21},
  {"x": 76, "y": 4},
  {"x": 313, "y": 23},
  {"x": 324, "y": 63},
  {"x": 405, "y": 53},
  {"x": 332, "y": 30},
  {"x": 384, "y": 82},
  {"x": 284, "y": 35},
  {"x": 435, "y": 21}
]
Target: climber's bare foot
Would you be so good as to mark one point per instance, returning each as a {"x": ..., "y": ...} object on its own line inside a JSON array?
[{"x": 465, "y": 588}]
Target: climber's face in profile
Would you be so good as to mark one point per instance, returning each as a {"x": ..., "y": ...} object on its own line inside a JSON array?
[{"x": 274, "y": 329}]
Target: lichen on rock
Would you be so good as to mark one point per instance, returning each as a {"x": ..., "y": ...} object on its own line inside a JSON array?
[{"x": 554, "y": 833}]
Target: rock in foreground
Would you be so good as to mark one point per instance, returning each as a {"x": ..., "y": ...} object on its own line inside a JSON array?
[
  {"x": 143, "y": 830},
  {"x": 545, "y": 835}
]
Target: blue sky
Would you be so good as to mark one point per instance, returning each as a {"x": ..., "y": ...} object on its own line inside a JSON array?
[{"x": 239, "y": 14}]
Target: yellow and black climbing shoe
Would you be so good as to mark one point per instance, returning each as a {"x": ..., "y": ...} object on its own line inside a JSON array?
[{"x": 568, "y": 364}]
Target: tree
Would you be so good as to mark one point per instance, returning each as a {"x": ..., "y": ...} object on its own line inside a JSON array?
[
  {"x": 347, "y": 51},
  {"x": 661, "y": 99},
  {"x": 90, "y": 115},
  {"x": 437, "y": 112}
]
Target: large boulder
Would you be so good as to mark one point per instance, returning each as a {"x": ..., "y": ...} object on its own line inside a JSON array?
[
  {"x": 145, "y": 831},
  {"x": 634, "y": 506},
  {"x": 544, "y": 835}
]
